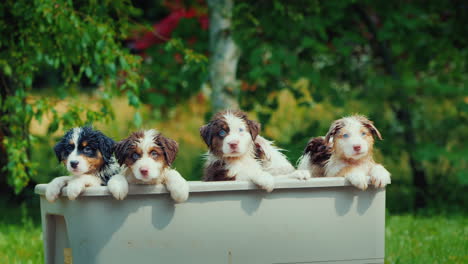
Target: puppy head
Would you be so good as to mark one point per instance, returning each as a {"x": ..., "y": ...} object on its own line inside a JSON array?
[
  {"x": 146, "y": 153},
  {"x": 84, "y": 150},
  {"x": 230, "y": 134},
  {"x": 353, "y": 137}
]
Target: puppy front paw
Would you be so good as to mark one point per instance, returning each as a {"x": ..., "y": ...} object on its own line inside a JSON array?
[
  {"x": 118, "y": 188},
  {"x": 300, "y": 175},
  {"x": 74, "y": 190},
  {"x": 266, "y": 182},
  {"x": 358, "y": 179},
  {"x": 181, "y": 193},
  {"x": 380, "y": 177},
  {"x": 52, "y": 192}
]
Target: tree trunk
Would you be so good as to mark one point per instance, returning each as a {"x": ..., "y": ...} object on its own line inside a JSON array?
[{"x": 224, "y": 56}]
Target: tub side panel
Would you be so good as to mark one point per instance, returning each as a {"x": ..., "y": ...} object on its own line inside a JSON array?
[{"x": 286, "y": 226}]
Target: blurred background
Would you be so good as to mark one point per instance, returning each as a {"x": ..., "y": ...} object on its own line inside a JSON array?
[{"x": 294, "y": 66}]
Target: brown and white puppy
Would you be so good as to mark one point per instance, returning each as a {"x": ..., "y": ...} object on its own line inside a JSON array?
[
  {"x": 238, "y": 152},
  {"x": 146, "y": 158},
  {"x": 349, "y": 154}
]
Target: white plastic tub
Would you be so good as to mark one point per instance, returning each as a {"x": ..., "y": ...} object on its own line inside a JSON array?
[{"x": 321, "y": 220}]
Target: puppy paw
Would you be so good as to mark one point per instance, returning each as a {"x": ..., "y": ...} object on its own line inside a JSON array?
[
  {"x": 52, "y": 193},
  {"x": 266, "y": 182},
  {"x": 180, "y": 194},
  {"x": 358, "y": 179},
  {"x": 380, "y": 177},
  {"x": 300, "y": 175},
  {"x": 74, "y": 191},
  {"x": 118, "y": 188}
]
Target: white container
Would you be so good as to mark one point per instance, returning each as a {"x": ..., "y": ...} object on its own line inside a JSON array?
[{"x": 321, "y": 220}]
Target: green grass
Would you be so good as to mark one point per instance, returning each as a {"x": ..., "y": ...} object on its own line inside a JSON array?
[
  {"x": 435, "y": 239},
  {"x": 409, "y": 239}
]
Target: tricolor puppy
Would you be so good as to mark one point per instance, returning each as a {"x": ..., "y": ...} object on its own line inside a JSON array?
[
  {"x": 349, "y": 154},
  {"x": 237, "y": 152},
  {"x": 87, "y": 155},
  {"x": 146, "y": 157}
]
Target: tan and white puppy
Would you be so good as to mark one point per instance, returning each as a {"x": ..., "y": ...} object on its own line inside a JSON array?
[
  {"x": 237, "y": 152},
  {"x": 87, "y": 155},
  {"x": 346, "y": 151},
  {"x": 146, "y": 158}
]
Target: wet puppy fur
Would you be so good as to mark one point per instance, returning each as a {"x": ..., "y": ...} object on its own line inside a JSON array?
[
  {"x": 146, "y": 158},
  {"x": 346, "y": 151},
  {"x": 87, "y": 155},
  {"x": 238, "y": 152}
]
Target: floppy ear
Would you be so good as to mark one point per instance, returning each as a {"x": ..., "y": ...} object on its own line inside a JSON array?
[
  {"x": 106, "y": 145},
  {"x": 254, "y": 128},
  {"x": 205, "y": 133},
  {"x": 169, "y": 147},
  {"x": 121, "y": 149},
  {"x": 370, "y": 125},
  {"x": 59, "y": 149},
  {"x": 334, "y": 129}
]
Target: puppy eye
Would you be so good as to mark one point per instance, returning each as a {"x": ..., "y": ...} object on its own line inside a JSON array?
[
  {"x": 87, "y": 150},
  {"x": 363, "y": 134},
  {"x": 345, "y": 135},
  {"x": 153, "y": 154},
  {"x": 241, "y": 129},
  {"x": 222, "y": 133},
  {"x": 135, "y": 156},
  {"x": 70, "y": 147}
]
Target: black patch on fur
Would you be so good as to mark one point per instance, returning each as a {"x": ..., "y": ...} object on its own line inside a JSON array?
[{"x": 169, "y": 146}]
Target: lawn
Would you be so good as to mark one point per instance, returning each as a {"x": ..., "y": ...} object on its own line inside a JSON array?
[{"x": 409, "y": 239}]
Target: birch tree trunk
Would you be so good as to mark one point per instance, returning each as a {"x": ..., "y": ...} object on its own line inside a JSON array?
[{"x": 224, "y": 56}]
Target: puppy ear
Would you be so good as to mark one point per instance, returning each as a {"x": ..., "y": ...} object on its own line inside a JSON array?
[
  {"x": 205, "y": 133},
  {"x": 170, "y": 148},
  {"x": 59, "y": 148},
  {"x": 254, "y": 128},
  {"x": 106, "y": 145},
  {"x": 370, "y": 125},
  {"x": 334, "y": 129},
  {"x": 121, "y": 150}
]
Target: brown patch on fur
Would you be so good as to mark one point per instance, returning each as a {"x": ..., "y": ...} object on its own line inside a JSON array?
[
  {"x": 318, "y": 150},
  {"x": 369, "y": 125},
  {"x": 210, "y": 134},
  {"x": 95, "y": 163},
  {"x": 125, "y": 148},
  {"x": 169, "y": 148},
  {"x": 217, "y": 171},
  {"x": 259, "y": 152},
  {"x": 84, "y": 143},
  {"x": 336, "y": 126},
  {"x": 344, "y": 171}
]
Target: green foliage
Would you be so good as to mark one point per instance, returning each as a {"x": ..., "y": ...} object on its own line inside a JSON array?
[
  {"x": 79, "y": 39},
  {"x": 402, "y": 64},
  {"x": 177, "y": 68}
]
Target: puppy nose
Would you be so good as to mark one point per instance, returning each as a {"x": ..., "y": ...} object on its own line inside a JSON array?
[
  {"x": 74, "y": 164},
  {"x": 233, "y": 144},
  {"x": 357, "y": 147},
  {"x": 144, "y": 171}
]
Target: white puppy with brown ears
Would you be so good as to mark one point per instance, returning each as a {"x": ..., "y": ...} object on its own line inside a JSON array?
[
  {"x": 349, "y": 154},
  {"x": 237, "y": 152},
  {"x": 146, "y": 157}
]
